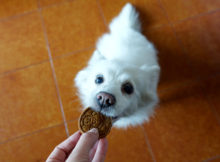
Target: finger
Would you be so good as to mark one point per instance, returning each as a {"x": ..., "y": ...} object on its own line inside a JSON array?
[
  {"x": 62, "y": 150},
  {"x": 93, "y": 150},
  {"x": 85, "y": 144},
  {"x": 101, "y": 150}
]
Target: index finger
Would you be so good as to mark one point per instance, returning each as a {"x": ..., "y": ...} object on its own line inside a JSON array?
[{"x": 62, "y": 150}]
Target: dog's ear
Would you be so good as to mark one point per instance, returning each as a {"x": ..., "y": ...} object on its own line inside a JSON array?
[
  {"x": 151, "y": 77},
  {"x": 96, "y": 57}
]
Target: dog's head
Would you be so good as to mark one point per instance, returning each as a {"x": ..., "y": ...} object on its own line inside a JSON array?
[{"x": 117, "y": 89}]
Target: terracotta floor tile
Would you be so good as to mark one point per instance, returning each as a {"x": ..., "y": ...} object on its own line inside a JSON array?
[
  {"x": 181, "y": 9},
  {"x": 205, "y": 6},
  {"x": 44, "y": 3},
  {"x": 202, "y": 43},
  {"x": 184, "y": 127},
  {"x": 13, "y": 7},
  {"x": 73, "y": 26},
  {"x": 215, "y": 159},
  {"x": 28, "y": 101},
  {"x": 72, "y": 126},
  {"x": 129, "y": 145},
  {"x": 151, "y": 13},
  {"x": 212, "y": 92},
  {"x": 66, "y": 69},
  {"x": 22, "y": 42},
  {"x": 33, "y": 147},
  {"x": 175, "y": 68}
]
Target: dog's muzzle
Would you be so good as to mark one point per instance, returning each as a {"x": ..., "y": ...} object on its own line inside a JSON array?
[{"x": 105, "y": 100}]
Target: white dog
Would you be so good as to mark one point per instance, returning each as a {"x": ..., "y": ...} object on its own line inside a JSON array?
[{"x": 122, "y": 75}]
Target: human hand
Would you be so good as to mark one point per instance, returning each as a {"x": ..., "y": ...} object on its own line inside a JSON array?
[{"x": 80, "y": 148}]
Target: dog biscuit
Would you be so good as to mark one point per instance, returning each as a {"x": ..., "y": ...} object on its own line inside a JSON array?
[{"x": 91, "y": 119}]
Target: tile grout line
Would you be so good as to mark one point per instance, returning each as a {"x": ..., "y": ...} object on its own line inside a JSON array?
[
  {"x": 196, "y": 79},
  {"x": 17, "y": 16},
  {"x": 148, "y": 144},
  {"x": 31, "y": 133},
  {"x": 37, "y": 131},
  {"x": 171, "y": 24},
  {"x": 38, "y": 4},
  {"x": 22, "y": 68},
  {"x": 189, "y": 82},
  {"x": 73, "y": 120},
  {"x": 7, "y": 18},
  {"x": 54, "y": 4},
  {"x": 212, "y": 108},
  {"x": 53, "y": 73},
  {"x": 74, "y": 52},
  {"x": 179, "y": 41},
  {"x": 212, "y": 158},
  {"x": 196, "y": 16},
  {"x": 102, "y": 14},
  {"x": 45, "y": 60}
]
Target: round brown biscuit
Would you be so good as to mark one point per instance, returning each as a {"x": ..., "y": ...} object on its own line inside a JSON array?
[{"x": 91, "y": 119}]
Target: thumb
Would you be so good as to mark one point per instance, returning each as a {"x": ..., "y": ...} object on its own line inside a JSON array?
[{"x": 85, "y": 144}]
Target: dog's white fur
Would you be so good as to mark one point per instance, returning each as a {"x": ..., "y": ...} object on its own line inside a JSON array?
[{"x": 123, "y": 55}]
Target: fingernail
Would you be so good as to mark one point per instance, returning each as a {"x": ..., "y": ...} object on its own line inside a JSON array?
[{"x": 94, "y": 130}]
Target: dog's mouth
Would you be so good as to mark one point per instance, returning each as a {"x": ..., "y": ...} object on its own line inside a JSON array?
[{"x": 114, "y": 118}]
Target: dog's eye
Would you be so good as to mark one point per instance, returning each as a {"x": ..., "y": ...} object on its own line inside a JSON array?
[
  {"x": 99, "y": 79},
  {"x": 127, "y": 88}
]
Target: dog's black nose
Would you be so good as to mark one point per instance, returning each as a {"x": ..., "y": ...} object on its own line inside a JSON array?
[{"x": 105, "y": 99}]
